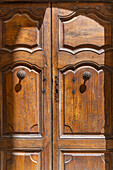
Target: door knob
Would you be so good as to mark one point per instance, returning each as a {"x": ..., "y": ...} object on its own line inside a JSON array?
[
  {"x": 21, "y": 74},
  {"x": 86, "y": 75}
]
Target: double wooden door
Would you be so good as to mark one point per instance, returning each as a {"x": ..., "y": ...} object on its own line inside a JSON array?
[{"x": 56, "y": 73}]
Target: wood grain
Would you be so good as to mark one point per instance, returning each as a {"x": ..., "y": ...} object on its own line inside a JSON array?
[
  {"x": 82, "y": 116},
  {"x": 25, "y": 108}
]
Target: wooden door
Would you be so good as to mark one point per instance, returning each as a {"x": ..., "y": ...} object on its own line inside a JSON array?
[
  {"x": 82, "y": 86},
  {"x": 25, "y": 134}
]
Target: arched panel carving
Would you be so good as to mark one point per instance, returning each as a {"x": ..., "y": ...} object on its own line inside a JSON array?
[
  {"x": 22, "y": 99},
  {"x": 83, "y": 100},
  {"x": 21, "y": 32},
  {"x": 79, "y": 31},
  {"x": 21, "y": 28}
]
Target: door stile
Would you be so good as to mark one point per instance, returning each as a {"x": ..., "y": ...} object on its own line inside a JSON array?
[
  {"x": 25, "y": 107},
  {"x": 55, "y": 73}
]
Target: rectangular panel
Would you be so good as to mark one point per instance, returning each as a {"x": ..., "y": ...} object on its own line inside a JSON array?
[
  {"x": 89, "y": 161},
  {"x": 16, "y": 160}
]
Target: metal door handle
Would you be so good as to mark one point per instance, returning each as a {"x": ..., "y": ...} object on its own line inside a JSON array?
[
  {"x": 21, "y": 74},
  {"x": 86, "y": 75}
]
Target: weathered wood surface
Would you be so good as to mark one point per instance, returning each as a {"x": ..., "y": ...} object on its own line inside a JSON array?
[
  {"x": 82, "y": 70},
  {"x": 25, "y": 117},
  {"x": 82, "y": 113}
]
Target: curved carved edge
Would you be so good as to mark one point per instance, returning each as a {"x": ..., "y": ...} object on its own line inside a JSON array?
[
  {"x": 86, "y": 47},
  {"x": 76, "y": 51},
  {"x": 85, "y": 12},
  {"x": 33, "y": 126},
  {"x": 11, "y": 156},
  {"x": 69, "y": 127},
  {"x": 66, "y": 17},
  {"x": 20, "y": 14},
  {"x": 100, "y": 51},
  {"x": 11, "y": 128},
  {"x": 69, "y": 159},
  {"x": 20, "y": 154},
  {"x": 21, "y": 49},
  {"x": 85, "y": 63},
  {"x": 33, "y": 159},
  {"x": 11, "y": 12},
  {"x": 22, "y": 63},
  {"x": 104, "y": 160},
  {"x": 32, "y": 17}
]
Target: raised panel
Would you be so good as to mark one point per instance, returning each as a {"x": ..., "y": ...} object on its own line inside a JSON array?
[
  {"x": 22, "y": 27},
  {"x": 82, "y": 110},
  {"x": 17, "y": 160},
  {"x": 83, "y": 32},
  {"x": 81, "y": 101},
  {"x": 22, "y": 31},
  {"x": 89, "y": 161},
  {"x": 22, "y": 100},
  {"x": 25, "y": 111}
]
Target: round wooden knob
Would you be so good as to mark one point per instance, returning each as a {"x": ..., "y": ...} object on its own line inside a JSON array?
[{"x": 21, "y": 74}]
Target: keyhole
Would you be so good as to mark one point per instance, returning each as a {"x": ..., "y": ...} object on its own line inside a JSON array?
[
  {"x": 82, "y": 88},
  {"x": 18, "y": 86}
]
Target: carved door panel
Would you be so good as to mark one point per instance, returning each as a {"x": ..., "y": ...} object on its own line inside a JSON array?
[
  {"x": 25, "y": 140},
  {"x": 82, "y": 86}
]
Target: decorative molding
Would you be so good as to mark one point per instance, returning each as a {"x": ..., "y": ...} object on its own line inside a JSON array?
[
  {"x": 35, "y": 125},
  {"x": 22, "y": 63},
  {"x": 85, "y": 63},
  {"x": 10, "y": 127},
  {"x": 14, "y": 42},
  {"x": 8, "y": 12},
  {"x": 95, "y": 17},
  {"x": 12, "y": 154},
  {"x": 21, "y": 49},
  {"x": 67, "y": 161},
  {"x": 67, "y": 126},
  {"x": 83, "y": 49},
  {"x": 86, "y": 10},
  {"x": 16, "y": 132},
  {"x": 9, "y": 157},
  {"x": 28, "y": 136},
  {"x": 91, "y": 67},
  {"x": 33, "y": 160},
  {"x": 82, "y": 136}
]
